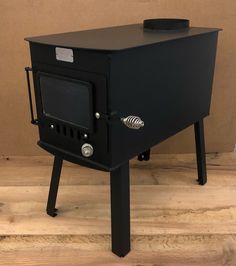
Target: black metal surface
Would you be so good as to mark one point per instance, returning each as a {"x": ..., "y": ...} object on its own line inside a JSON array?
[
  {"x": 86, "y": 61},
  {"x": 34, "y": 121},
  {"x": 144, "y": 156},
  {"x": 71, "y": 144},
  {"x": 120, "y": 210},
  {"x": 200, "y": 152},
  {"x": 55, "y": 179},
  {"x": 115, "y": 38},
  {"x": 74, "y": 157},
  {"x": 172, "y": 76},
  {"x": 61, "y": 96},
  {"x": 167, "y": 85},
  {"x": 165, "y": 80},
  {"x": 166, "y": 24}
]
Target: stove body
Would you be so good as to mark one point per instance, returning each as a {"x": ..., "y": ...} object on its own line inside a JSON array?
[
  {"x": 166, "y": 83},
  {"x": 87, "y": 84}
]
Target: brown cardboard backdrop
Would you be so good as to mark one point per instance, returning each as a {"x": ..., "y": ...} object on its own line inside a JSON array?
[{"x": 21, "y": 18}]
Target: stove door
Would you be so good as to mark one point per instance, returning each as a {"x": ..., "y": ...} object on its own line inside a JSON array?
[{"x": 67, "y": 100}]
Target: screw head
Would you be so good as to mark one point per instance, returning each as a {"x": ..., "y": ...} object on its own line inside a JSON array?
[{"x": 97, "y": 115}]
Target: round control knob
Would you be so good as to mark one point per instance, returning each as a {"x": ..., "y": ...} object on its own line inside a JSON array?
[{"x": 87, "y": 150}]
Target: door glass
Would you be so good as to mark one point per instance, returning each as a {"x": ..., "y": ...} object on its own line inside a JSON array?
[{"x": 68, "y": 100}]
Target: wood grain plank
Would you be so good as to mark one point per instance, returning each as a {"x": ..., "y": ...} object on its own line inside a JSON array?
[
  {"x": 163, "y": 169},
  {"x": 173, "y": 221},
  {"x": 174, "y": 251},
  {"x": 86, "y": 210}
]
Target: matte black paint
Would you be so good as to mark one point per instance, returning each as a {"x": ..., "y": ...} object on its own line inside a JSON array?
[
  {"x": 115, "y": 39},
  {"x": 200, "y": 150},
  {"x": 64, "y": 144},
  {"x": 120, "y": 210},
  {"x": 166, "y": 24},
  {"x": 62, "y": 96},
  {"x": 55, "y": 179},
  {"x": 163, "y": 77},
  {"x": 168, "y": 84}
]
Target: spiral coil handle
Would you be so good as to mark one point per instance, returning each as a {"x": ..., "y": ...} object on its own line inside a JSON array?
[{"x": 133, "y": 122}]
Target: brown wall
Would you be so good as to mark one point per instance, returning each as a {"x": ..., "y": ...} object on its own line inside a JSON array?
[{"x": 21, "y": 18}]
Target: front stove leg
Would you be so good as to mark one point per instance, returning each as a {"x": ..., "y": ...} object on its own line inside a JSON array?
[
  {"x": 200, "y": 150},
  {"x": 55, "y": 179},
  {"x": 120, "y": 210}
]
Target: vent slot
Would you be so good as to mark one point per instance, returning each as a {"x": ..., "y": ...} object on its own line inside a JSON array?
[
  {"x": 78, "y": 135},
  {"x": 67, "y": 132},
  {"x": 71, "y": 133},
  {"x": 58, "y": 129},
  {"x": 64, "y": 131}
]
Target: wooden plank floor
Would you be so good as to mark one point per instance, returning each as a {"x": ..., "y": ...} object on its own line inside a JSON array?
[{"x": 174, "y": 221}]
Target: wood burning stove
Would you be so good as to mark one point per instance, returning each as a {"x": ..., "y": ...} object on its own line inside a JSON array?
[{"x": 106, "y": 95}]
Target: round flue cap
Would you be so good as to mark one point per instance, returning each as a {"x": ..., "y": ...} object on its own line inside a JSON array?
[{"x": 166, "y": 24}]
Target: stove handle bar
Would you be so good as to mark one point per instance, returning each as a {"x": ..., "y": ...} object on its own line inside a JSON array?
[
  {"x": 34, "y": 121},
  {"x": 133, "y": 122}
]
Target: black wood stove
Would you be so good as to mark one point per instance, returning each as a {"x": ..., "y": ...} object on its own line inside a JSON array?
[{"x": 106, "y": 95}]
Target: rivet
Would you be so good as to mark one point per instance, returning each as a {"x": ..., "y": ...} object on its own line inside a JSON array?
[{"x": 97, "y": 115}]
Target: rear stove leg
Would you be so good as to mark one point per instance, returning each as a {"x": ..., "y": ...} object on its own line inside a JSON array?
[
  {"x": 120, "y": 210},
  {"x": 52, "y": 196},
  {"x": 200, "y": 150},
  {"x": 145, "y": 156}
]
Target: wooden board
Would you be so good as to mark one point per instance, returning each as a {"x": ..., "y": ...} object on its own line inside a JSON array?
[
  {"x": 174, "y": 221},
  {"x": 86, "y": 210},
  {"x": 162, "y": 169}
]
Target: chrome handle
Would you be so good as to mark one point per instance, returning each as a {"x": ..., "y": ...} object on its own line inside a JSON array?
[{"x": 133, "y": 122}]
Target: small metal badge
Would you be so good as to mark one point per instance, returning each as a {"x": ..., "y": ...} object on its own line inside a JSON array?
[{"x": 64, "y": 54}]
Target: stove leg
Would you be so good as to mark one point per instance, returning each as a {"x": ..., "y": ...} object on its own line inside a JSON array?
[
  {"x": 200, "y": 150},
  {"x": 120, "y": 210},
  {"x": 145, "y": 156},
  {"x": 52, "y": 196}
]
